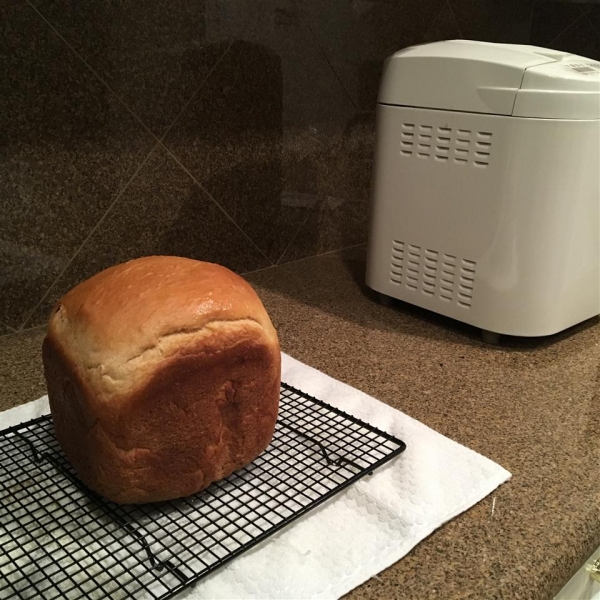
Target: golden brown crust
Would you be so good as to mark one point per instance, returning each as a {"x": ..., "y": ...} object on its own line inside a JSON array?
[{"x": 157, "y": 403}]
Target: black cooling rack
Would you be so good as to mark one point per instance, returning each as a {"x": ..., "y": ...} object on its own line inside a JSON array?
[{"x": 60, "y": 540}]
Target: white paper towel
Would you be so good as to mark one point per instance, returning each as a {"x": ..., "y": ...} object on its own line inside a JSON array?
[{"x": 364, "y": 529}]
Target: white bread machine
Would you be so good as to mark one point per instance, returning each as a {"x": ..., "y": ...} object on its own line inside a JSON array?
[{"x": 486, "y": 185}]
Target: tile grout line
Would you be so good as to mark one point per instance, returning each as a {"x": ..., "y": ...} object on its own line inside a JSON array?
[
  {"x": 28, "y": 316},
  {"x": 587, "y": 15},
  {"x": 449, "y": 5},
  {"x": 187, "y": 171},
  {"x": 210, "y": 196},
  {"x": 14, "y": 331},
  {"x": 297, "y": 233},
  {"x": 32, "y": 328},
  {"x": 10, "y": 329},
  {"x": 114, "y": 93},
  {"x": 158, "y": 141},
  {"x": 297, "y": 260},
  {"x": 89, "y": 235},
  {"x": 436, "y": 19},
  {"x": 92, "y": 70},
  {"x": 313, "y": 35},
  {"x": 582, "y": 16},
  {"x": 291, "y": 262}
]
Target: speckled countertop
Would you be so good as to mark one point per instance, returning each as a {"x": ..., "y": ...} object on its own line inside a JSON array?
[{"x": 531, "y": 406}]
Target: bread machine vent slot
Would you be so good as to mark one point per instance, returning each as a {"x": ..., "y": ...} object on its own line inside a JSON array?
[
  {"x": 413, "y": 267},
  {"x": 424, "y": 141},
  {"x": 445, "y": 144},
  {"x": 407, "y": 139},
  {"x": 435, "y": 274},
  {"x": 397, "y": 262},
  {"x": 447, "y": 277},
  {"x": 465, "y": 282}
]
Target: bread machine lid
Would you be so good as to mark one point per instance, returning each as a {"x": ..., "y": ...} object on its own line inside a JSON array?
[
  {"x": 500, "y": 79},
  {"x": 568, "y": 88}
]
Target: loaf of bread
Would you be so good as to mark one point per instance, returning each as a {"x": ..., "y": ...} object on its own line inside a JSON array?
[{"x": 163, "y": 375}]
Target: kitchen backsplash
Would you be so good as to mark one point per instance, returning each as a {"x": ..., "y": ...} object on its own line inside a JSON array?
[{"x": 234, "y": 131}]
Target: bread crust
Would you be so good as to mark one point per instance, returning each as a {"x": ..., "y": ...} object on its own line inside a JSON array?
[{"x": 163, "y": 376}]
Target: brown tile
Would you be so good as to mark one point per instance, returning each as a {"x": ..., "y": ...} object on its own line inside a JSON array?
[
  {"x": 490, "y": 21},
  {"x": 340, "y": 218},
  {"x": 550, "y": 19},
  {"x": 356, "y": 37},
  {"x": 256, "y": 134},
  {"x": 21, "y": 374},
  {"x": 581, "y": 38},
  {"x": 443, "y": 28},
  {"x": 154, "y": 55},
  {"x": 68, "y": 147},
  {"x": 162, "y": 212}
]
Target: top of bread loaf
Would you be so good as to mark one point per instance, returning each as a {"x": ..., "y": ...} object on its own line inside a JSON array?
[{"x": 121, "y": 322}]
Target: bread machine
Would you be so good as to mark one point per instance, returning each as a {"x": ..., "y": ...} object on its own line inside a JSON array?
[{"x": 486, "y": 186}]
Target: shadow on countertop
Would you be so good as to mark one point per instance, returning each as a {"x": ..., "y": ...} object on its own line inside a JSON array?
[{"x": 335, "y": 283}]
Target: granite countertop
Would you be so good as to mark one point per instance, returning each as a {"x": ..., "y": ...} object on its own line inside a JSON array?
[{"x": 530, "y": 405}]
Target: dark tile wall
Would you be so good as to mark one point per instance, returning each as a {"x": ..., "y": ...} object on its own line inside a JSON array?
[{"x": 236, "y": 131}]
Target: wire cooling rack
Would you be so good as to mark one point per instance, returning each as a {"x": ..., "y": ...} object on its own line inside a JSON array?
[{"x": 60, "y": 540}]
